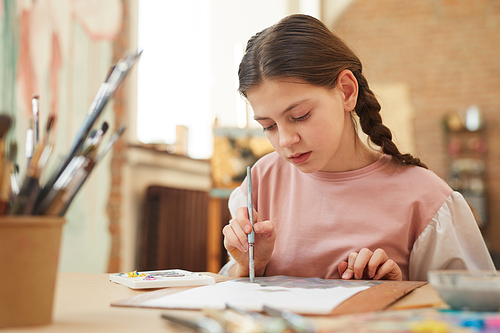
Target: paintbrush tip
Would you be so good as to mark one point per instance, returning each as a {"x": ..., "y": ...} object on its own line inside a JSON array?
[
  {"x": 50, "y": 123},
  {"x": 104, "y": 127},
  {"x": 35, "y": 96}
]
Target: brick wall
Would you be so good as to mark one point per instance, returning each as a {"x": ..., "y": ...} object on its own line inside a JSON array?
[{"x": 448, "y": 52}]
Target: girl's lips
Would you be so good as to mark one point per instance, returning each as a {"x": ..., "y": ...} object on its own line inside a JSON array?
[{"x": 300, "y": 158}]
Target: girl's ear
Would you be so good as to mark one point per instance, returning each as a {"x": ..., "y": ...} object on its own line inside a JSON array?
[{"x": 348, "y": 85}]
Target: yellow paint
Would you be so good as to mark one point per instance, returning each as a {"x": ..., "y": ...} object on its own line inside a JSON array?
[{"x": 430, "y": 326}]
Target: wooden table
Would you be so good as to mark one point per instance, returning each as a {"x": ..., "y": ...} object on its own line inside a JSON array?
[{"x": 82, "y": 304}]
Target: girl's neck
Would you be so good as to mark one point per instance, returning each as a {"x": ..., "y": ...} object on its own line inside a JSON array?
[{"x": 354, "y": 154}]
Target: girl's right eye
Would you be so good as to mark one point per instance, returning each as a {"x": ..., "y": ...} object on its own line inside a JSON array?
[{"x": 269, "y": 127}]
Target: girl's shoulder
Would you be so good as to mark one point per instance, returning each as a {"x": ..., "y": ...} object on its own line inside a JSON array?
[
  {"x": 421, "y": 181},
  {"x": 418, "y": 174}
]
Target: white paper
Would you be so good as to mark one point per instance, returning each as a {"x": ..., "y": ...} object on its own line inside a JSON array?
[{"x": 252, "y": 296}]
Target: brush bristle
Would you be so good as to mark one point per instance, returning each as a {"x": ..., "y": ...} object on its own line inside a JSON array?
[
  {"x": 50, "y": 124},
  {"x": 104, "y": 127}
]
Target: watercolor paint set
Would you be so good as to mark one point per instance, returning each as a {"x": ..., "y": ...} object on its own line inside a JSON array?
[{"x": 161, "y": 279}]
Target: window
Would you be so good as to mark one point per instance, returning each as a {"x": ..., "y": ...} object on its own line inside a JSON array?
[{"x": 174, "y": 74}]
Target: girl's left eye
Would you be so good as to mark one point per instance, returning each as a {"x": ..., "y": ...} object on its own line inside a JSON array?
[{"x": 302, "y": 118}]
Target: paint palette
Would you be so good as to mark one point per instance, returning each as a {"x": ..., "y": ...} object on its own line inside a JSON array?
[
  {"x": 464, "y": 290},
  {"x": 161, "y": 279}
]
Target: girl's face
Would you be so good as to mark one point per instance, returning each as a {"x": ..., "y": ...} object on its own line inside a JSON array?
[{"x": 309, "y": 126}]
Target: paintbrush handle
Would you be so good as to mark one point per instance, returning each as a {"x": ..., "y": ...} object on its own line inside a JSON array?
[
  {"x": 28, "y": 194},
  {"x": 5, "y": 187},
  {"x": 24, "y": 203},
  {"x": 76, "y": 187},
  {"x": 2, "y": 157},
  {"x": 44, "y": 200}
]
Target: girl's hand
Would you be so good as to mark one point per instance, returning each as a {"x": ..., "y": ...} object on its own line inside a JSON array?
[
  {"x": 374, "y": 265},
  {"x": 236, "y": 242}
]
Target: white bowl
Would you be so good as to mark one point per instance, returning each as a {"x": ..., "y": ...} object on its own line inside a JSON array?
[{"x": 468, "y": 290}]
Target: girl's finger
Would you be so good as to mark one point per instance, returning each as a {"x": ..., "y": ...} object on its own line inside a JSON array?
[
  {"x": 238, "y": 230},
  {"x": 265, "y": 227},
  {"x": 378, "y": 258},
  {"x": 349, "y": 272},
  {"x": 235, "y": 236},
  {"x": 242, "y": 217},
  {"x": 231, "y": 242},
  {"x": 342, "y": 267},
  {"x": 389, "y": 270},
  {"x": 361, "y": 261}
]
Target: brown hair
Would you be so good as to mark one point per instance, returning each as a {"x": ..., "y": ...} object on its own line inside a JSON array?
[{"x": 300, "y": 46}]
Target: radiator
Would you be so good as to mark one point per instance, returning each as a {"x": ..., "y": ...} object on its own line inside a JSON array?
[{"x": 173, "y": 231}]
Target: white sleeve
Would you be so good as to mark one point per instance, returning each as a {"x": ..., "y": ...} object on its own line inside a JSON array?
[
  {"x": 237, "y": 199},
  {"x": 452, "y": 240}
]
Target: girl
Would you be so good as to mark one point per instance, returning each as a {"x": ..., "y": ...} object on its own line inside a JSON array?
[{"x": 327, "y": 205}]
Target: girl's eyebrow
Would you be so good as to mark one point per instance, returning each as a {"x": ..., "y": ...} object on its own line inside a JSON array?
[{"x": 289, "y": 108}]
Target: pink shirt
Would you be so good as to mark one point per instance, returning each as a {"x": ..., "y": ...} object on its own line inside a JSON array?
[{"x": 322, "y": 217}]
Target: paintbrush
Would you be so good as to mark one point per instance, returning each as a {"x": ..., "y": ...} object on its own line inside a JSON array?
[
  {"x": 28, "y": 194},
  {"x": 295, "y": 322},
  {"x": 49, "y": 128},
  {"x": 64, "y": 190},
  {"x": 66, "y": 186},
  {"x": 53, "y": 197},
  {"x": 5, "y": 170},
  {"x": 5, "y": 186},
  {"x": 88, "y": 142},
  {"x": 94, "y": 140},
  {"x": 6, "y": 189},
  {"x": 36, "y": 118},
  {"x": 268, "y": 323},
  {"x": 233, "y": 321},
  {"x": 5, "y": 123},
  {"x": 116, "y": 76},
  {"x": 107, "y": 89},
  {"x": 47, "y": 140},
  {"x": 203, "y": 324},
  {"x": 15, "y": 182},
  {"x": 29, "y": 145},
  {"x": 88, "y": 169},
  {"x": 111, "y": 142},
  {"x": 14, "y": 176},
  {"x": 71, "y": 179},
  {"x": 25, "y": 202}
]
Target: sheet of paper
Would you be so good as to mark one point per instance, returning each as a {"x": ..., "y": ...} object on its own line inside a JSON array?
[{"x": 300, "y": 295}]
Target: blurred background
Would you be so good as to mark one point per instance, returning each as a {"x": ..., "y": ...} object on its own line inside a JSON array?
[{"x": 159, "y": 199}]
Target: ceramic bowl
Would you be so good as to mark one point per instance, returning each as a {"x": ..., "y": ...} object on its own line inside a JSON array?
[{"x": 468, "y": 290}]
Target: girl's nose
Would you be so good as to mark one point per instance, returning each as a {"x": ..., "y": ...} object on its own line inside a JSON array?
[{"x": 288, "y": 137}]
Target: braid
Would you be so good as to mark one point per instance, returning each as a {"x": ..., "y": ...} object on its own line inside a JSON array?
[{"x": 368, "y": 111}]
